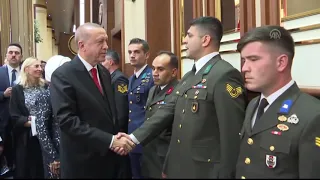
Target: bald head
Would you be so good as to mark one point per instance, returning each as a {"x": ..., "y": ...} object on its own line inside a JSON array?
[{"x": 83, "y": 31}]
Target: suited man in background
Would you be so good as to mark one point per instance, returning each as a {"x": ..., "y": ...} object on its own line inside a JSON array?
[
  {"x": 83, "y": 103},
  {"x": 165, "y": 71},
  {"x": 280, "y": 138},
  {"x": 8, "y": 73},
  {"x": 119, "y": 83}
]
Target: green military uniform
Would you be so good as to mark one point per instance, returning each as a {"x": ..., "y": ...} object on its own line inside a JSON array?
[
  {"x": 207, "y": 112},
  {"x": 154, "y": 153},
  {"x": 285, "y": 141}
]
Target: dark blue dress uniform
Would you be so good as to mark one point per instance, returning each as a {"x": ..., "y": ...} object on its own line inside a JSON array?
[{"x": 138, "y": 95}]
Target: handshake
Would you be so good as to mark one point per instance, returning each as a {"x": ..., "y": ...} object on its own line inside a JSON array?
[{"x": 122, "y": 144}]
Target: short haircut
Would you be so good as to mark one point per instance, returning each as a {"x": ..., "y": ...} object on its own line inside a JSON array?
[
  {"x": 17, "y": 45},
  {"x": 275, "y": 36},
  {"x": 144, "y": 43},
  {"x": 82, "y": 32},
  {"x": 114, "y": 56},
  {"x": 173, "y": 58},
  {"x": 209, "y": 26}
]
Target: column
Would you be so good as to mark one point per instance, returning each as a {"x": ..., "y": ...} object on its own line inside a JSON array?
[
  {"x": 4, "y": 28},
  {"x": 21, "y": 25},
  {"x": 40, "y": 8},
  {"x": 49, "y": 38}
]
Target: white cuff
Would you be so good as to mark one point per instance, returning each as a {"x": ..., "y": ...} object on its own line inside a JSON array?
[
  {"x": 134, "y": 139},
  {"x": 111, "y": 141}
]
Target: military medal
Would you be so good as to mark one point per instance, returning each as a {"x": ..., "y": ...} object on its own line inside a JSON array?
[
  {"x": 197, "y": 92},
  {"x": 138, "y": 97},
  {"x": 203, "y": 81},
  {"x": 271, "y": 161},
  {"x": 293, "y": 119},
  {"x": 282, "y": 118},
  {"x": 276, "y": 133},
  {"x": 194, "y": 107},
  {"x": 282, "y": 127}
]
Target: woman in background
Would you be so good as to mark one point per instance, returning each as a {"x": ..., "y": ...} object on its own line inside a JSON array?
[{"x": 26, "y": 109}]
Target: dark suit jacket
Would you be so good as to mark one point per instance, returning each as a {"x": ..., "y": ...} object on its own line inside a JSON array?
[
  {"x": 207, "y": 112},
  {"x": 120, "y": 85},
  {"x": 268, "y": 152},
  {"x": 87, "y": 121},
  {"x": 4, "y": 102},
  {"x": 154, "y": 153}
]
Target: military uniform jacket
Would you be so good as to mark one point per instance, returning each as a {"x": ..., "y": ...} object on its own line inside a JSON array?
[
  {"x": 120, "y": 85},
  {"x": 138, "y": 95},
  {"x": 154, "y": 153},
  {"x": 285, "y": 141},
  {"x": 207, "y": 111}
]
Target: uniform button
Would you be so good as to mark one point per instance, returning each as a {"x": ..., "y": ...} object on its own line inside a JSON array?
[
  {"x": 129, "y": 111},
  {"x": 195, "y": 97},
  {"x": 131, "y": 93},
  {"x": 183, "y": 111},
  {"x": 177, "y": 92},
  {"x": 150, "y": 108},
  {"x": 178, "y": 141},
  {"x": 185, "y": 95},
  {"x": 129, "y": 120},
  {"x": 247, "y": 161},
  {"x": 242, "y": 177},
  {"x": 271, "y": 148},
  {"x": 209, "y": 160},
  {"x": 180, "y": 126},
  {"x": 148, "y": 118},
  {"x": 144, "y": 107},
  {"x": 250, "y": 141},
  {"x": 130, "y": 102}
]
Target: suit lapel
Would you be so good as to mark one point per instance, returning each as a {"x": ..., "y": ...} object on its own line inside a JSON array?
[
  {"x": 142, "y": 76},
  {"x": 163, "y": 93},
  {"x": 270, "y": 119},
  {"x": 88, "y": 82},
  {"x": 108, "y": 93},
  {"x": 7, "y": 79}
]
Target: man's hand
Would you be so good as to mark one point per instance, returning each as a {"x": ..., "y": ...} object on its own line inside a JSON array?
[
  {"x": 7, "y": 92},
  {"x": 27, "y": 124},
  {"x": 122, "y": 145},
  {"x": 164, "y": 176}
]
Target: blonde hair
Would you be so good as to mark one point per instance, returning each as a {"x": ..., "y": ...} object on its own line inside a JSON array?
[{"x": 25, "y": 78}]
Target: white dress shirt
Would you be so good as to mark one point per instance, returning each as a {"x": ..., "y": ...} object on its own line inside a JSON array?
[
  {"x": 203, "y": 61},
  {"x": 271, "y": 99},
  {"x": 140, "y": 71}
]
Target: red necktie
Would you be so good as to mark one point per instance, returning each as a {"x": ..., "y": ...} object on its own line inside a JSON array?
[{"x": 95, "y": 78}]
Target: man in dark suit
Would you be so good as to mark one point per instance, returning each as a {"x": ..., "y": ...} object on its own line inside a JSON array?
[
  {"x": 139, "y": 85},
  {"x": 165, "y": 70},
  {"x": 83, "y": 102},
  {"x": 207, "y": 111},
  {"x": 280, "y": 137},
  {"x": 8, "y": 73},
  {"x": 119, "y": 83}
]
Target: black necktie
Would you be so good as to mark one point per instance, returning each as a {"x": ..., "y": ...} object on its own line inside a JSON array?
[
  {"x": 13, "y": 76},
  {"x": 263, "y": 104},
  {"x": 194, "y": 69}
]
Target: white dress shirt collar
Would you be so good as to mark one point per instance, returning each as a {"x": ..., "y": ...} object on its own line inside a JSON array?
[
  {"x": 86, "y": 64},
  {"x": 137, "y": 74},
  {"x": 202, "y": 61},
  {"x": 271, "y": 98}
]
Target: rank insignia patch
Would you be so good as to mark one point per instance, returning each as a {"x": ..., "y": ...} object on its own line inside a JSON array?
[
  {"x": 122, "y": 88},
  {"x": 317, "y": 141},
  {"x": 195, "y": 107},
  {"x": 234, "y": 92}
]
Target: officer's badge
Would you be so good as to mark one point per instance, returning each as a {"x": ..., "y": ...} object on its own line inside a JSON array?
[
  {"x": 317, "y": 141},
  {"x": 138, "y": 97},
  {"x": 170, "y": 90},
  {"x": 203, "y": 81},
  {"x": 122, "y": 88},
  {"x": 271, "y": 161},
  {"x": 282, "y": 118},
  {"x": 283, "y": 127},
  {"x": 234, "y": 92},
  {"x": 194, "y": 107},
  {"x": 293, "y": 119}
]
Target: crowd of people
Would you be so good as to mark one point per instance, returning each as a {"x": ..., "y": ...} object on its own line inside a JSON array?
[{"x": 83, "y": 118}]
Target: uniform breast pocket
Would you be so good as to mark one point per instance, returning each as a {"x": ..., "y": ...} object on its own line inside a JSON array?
[
  {"x": 276, "y": 145},
  {"x": 138, "y": 94}
]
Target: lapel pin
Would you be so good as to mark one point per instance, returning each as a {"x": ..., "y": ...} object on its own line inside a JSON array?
[
  {"x": 197, "y": 92},
  {"x": 282, "y": 127},
  {"x": 293, "y": 119},
  {"x": 203, "y": 81},
  {"x": 282, "y": 118}
]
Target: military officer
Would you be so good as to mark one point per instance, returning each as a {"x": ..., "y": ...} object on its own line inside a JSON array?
[
  {"x": 280, "y": 137},
  {"x": 120, "y": 85},
  {"x": 139, "y": 85},
  {"x": 207, "y": 111},
  {"x": 165, "y": 69}
]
